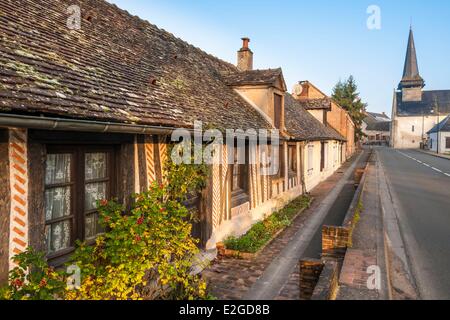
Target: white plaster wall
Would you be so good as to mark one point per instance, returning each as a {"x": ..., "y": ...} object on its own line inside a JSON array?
[
  {"x": 442, "y": 142},
  {"x": 404, "y": 138}
]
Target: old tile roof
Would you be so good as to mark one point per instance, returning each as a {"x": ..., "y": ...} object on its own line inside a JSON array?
[
  {"x": 117, "y": 68},
  {"x": 443, "y": 126},
  {"x": 253, "y": 77},
  {"x": 379, "y": 116},
  {"x": 384, "y": 126},
  {"x": 316, "y": 104},
  {"x": 429, "y": 103},
  {"x": 301, "y": 125}
]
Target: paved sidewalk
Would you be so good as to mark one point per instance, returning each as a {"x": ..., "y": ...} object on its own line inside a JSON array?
[
  {"x": 368, "y": 250},
  {"x": 234, "y": 279}
]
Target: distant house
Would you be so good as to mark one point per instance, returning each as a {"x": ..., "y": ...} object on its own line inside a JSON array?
[
  {"x": 328, "y": 112},
  {"x": 415, "y": 111},
  {"x": 88, "y": 114},
  {"x": 439, "y": 137},
  {"x": 376, "y": 127}
]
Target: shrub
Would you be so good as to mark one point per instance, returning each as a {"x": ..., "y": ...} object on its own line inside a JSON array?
[
  {"x": 33, "y": 279},
  {"x": 144, "y": 255}
]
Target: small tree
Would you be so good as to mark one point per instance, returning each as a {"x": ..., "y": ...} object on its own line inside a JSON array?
[{"x": 346, "y": 94}]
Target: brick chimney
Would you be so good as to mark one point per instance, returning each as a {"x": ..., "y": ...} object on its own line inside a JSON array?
[
  {"x": 245, "y": 56},
  {"x": 305, "y": 92}
]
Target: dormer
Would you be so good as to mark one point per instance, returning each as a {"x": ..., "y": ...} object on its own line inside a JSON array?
[
  {"x": 263, "y": 89},
  {"x": 312, "y": 99}
]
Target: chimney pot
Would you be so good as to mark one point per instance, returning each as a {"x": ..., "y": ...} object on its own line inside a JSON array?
[{"x": 245, "y": 42}]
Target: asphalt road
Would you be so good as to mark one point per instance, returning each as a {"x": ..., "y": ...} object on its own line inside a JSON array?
[{"x": 420, "y": 186}]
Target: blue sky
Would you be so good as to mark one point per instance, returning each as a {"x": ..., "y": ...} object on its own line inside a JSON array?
[{"x": 321, "y": 41}]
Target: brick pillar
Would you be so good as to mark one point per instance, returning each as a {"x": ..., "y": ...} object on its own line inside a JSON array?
[
  {"x": 18, "y": 170},
  {"x": 335, "y": 241},
  {"x": 310, "y": 270}
]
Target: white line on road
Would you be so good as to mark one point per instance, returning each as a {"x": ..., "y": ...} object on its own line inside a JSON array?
[{"x": 425, "y": 164}]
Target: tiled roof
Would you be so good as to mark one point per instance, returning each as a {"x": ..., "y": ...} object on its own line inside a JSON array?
[
  {"x": 316, "y": 104},
  {"x": 430, "y": 100},
  {"x": 117, "y": 68},
  {"x": 444, "y": 126},
  {"x": 303, "y": 126},
  {"x": 252, "y": 77},
  {"x": 379, "y": 116},
  {"x": 379, "y": 126}
]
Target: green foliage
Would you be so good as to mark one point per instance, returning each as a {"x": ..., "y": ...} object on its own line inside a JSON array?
[
  {"x": 184, "y": 180},
  {"x": 346, "y": 94},
  {"x": 33, "y": 279},
  {"x": 262, "y": 232},
  {"x": 146, "y": 254}
]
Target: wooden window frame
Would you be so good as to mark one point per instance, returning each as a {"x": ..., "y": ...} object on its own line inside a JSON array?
[
  {"x": 292, "y": 160},
  {"x": 240, "y": 195},
  {"x": 277, "y": 110},
  {"x": 78, "y": 184}
]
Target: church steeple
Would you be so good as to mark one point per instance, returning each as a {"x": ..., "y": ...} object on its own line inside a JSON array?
[{"x": 411, "y": 77}]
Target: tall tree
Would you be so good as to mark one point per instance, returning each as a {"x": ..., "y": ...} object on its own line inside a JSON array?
[{"x": 346, "y": 94}]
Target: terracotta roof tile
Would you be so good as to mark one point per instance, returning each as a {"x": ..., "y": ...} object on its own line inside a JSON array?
[
  {"x": 117, "y": 68},
  {"x": 303, "y": 126},
  {"x": 316, "y": 104},
  {"x": 253, "y": 77}
]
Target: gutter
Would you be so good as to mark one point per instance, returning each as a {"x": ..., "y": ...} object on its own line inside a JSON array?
[{"x": 61, "y": 124}]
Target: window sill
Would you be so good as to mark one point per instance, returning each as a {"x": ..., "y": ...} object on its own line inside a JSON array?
[{"x": 239, "y": 197}]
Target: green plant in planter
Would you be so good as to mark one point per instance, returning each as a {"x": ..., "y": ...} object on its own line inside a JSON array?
[{"x": 33, "y": 279}]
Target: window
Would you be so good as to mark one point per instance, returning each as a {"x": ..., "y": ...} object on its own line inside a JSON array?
[
  {"x": 324, "y": 156},
  {"x": 75, "y": 179},
  {"x": 278, "y": 103},
  {"x": 447, "y": 142},
  {"x": 239, "y": 184},
  {"x": 292, "y": 154},
  {"x": 413, "y": 128},
  {"x": 310, "y": 159}
]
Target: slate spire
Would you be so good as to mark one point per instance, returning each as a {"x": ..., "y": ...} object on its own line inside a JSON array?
[{"x": 411, "y": 77}]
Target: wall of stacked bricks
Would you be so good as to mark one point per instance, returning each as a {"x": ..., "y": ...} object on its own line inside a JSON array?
[
  {"x": 310, "y": 270},
  {"x": 335, "y": 241},
  {"x": 328, "y": 283}
]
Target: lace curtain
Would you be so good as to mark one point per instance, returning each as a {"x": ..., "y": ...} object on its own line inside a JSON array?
[{"x": 58, "y": 201}]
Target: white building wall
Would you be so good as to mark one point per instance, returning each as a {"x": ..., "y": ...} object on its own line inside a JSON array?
[
  {"x": 443, "y": 136},
  {"x": 403, "y": 136}
]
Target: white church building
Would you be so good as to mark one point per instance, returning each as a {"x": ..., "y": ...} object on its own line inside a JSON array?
[{"x": 415, "y": 111}]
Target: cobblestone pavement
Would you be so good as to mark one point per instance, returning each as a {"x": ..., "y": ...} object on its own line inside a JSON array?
[{"x": 230, "y": 279}]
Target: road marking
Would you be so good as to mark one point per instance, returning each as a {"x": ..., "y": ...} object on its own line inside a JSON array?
[{"x": 425, "y": 164}]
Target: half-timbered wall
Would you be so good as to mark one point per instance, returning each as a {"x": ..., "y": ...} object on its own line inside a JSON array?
[{"x": 267, "y": 194}]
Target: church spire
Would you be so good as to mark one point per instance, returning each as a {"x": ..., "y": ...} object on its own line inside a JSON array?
[{"x": 411, "y": 77}]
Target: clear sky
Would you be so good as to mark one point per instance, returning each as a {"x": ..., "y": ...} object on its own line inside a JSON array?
[{"x": 321, "y": 41}]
